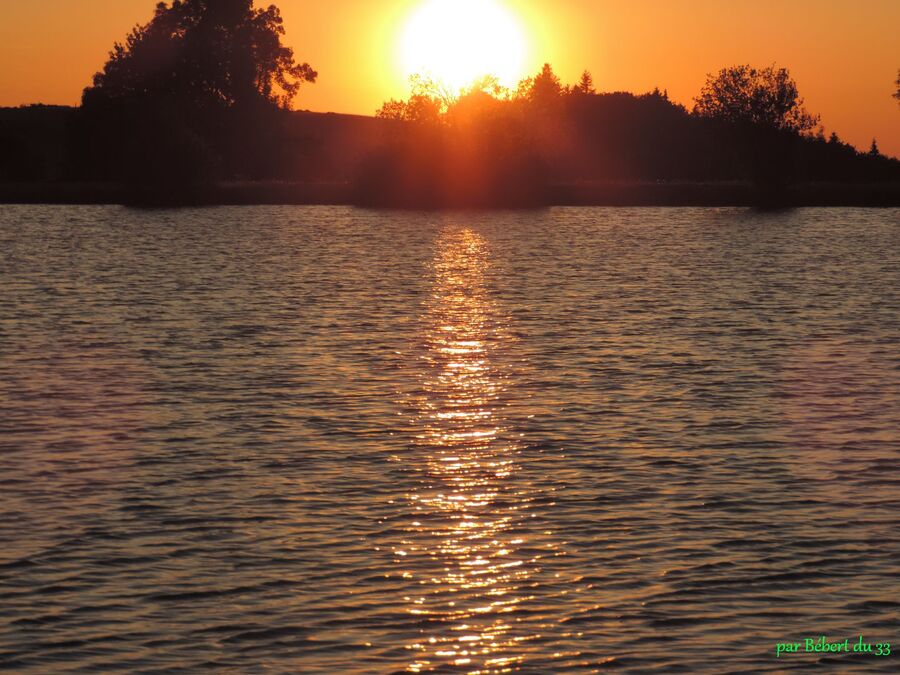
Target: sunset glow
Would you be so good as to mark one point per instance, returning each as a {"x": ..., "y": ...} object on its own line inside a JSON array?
[{"x": 457, "y": 41}]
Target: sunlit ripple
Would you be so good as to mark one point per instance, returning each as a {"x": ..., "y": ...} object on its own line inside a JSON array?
[
  {"x": 466, "y": 548},
  {"x": 208, "y": 423}
]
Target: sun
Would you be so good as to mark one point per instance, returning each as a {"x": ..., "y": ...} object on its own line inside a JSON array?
[{"x": 456, "y": 42}]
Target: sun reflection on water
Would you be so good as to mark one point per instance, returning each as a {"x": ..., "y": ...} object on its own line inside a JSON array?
[{"x": 466, "y": 547}]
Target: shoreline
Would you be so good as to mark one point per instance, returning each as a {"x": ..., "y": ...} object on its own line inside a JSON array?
[{"x": 687, "y": 194}]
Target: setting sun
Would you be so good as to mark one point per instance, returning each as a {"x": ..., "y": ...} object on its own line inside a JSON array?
[{"x": 457, "y": 41}]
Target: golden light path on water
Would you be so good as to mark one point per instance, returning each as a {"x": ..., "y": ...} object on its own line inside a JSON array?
[{"x": 467, "y": 544}]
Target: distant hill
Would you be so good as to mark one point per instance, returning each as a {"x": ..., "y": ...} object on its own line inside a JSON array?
[
  {"x": 41, "y": 143},
  {"x": 334, "y": 145}
]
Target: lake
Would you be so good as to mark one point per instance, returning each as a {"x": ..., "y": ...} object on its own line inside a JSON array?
[{"x": 328, "y": 440}]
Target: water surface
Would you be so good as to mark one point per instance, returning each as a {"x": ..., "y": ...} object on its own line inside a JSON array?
[{"x": 326, "y": 440}]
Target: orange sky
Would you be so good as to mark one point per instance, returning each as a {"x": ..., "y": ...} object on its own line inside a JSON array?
[{"x": 844, "y": 54}]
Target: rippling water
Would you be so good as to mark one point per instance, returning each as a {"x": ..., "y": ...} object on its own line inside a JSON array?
[{"x": 325, "y": 440}]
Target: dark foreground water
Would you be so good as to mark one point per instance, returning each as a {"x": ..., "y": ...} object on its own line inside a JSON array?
[{"x": 323, "y": 440}]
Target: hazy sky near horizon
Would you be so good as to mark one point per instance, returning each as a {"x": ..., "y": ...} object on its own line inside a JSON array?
[{"x": 844, "y": 54}]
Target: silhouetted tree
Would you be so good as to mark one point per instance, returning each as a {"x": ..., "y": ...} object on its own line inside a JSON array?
[
  {"x": 392, "y": 110},
  {"x": 205, "y": 52},
  {"x": 585, "y": 84},
  {"x": 543, "y": 88},
  {"x": 897, "y": 84},
  {"x": 766, "y": 97},
  {"x": 198, "y": 92},
  {"x": 764, "y": 114},
  {"x": 873, "y": 150},
  {"x": 419, "y": 108},
  {"x": 427, "y": 104},
  {"x": 490, "y": 85}
]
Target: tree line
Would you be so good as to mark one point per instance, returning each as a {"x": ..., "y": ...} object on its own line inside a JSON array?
[
  {"x": 746, "y": 123},
  {"x": 203, "y": 92}
]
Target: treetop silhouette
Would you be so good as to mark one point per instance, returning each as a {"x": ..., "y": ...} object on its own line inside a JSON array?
[
  {"x": 543, "y": 88},
  {"x": 204, "y": 52},
  {"x": 427, "y": 103},
  {"x": 766, "y": 98},
  {"x": 585, "y": 84}
]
